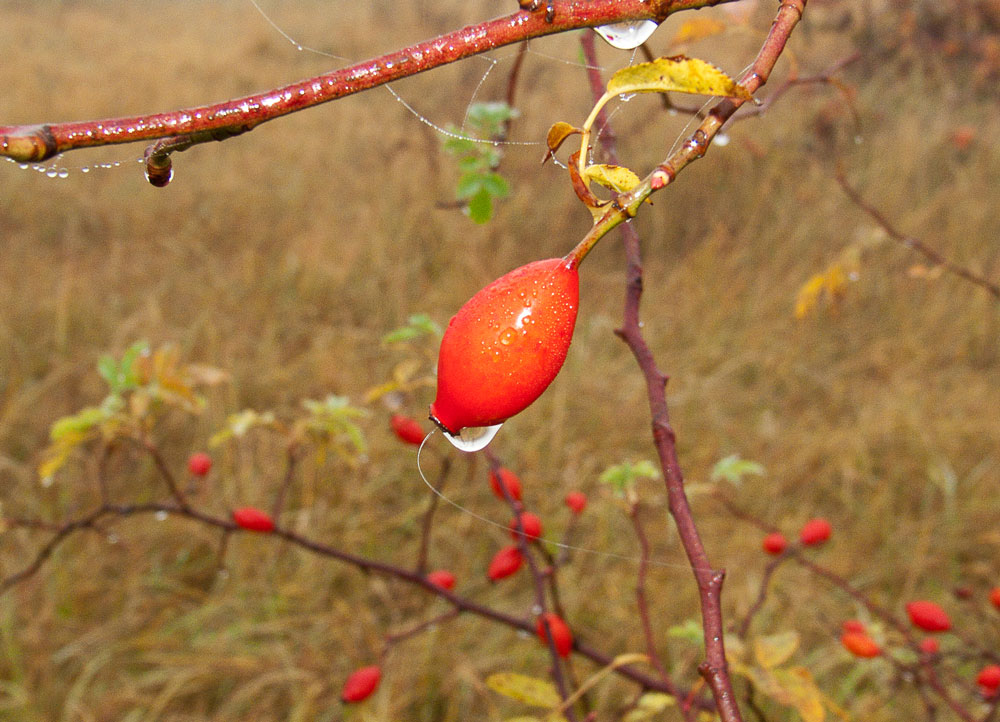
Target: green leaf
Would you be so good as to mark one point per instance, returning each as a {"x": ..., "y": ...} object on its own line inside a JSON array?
[
  {"x": 733, "y": 469},
  {"x": 649, "y": 705},
  {"x": 679, "y": 74},
  {"x": 496, "y": 185},
  {"x": 529, "y": 690},
  {"x": 481, "y": 206},
  {"x": 689, "y": 630},
  {"x": 623, "y": 476},
  {"x": 473, "y": 164},
  {"x": 419, "y": 324},
  {"x": 468, "y": 185}
]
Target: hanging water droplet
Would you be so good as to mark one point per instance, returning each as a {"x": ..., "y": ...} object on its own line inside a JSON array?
[
  {"x": 473, "y": 438},
  {"x": 112, "y": 538},
  {"x": 721, "y": 140},
  {"x": 627, "y": 36},
  {"x": 63, "y": 173},
  {"x": 536, "y": 609},
  {"x": 160, "y": 515},
  {"x": 85, "y": 169}
]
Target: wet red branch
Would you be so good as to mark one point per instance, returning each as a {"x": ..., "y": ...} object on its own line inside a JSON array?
[{"x": 32, "y": 143}]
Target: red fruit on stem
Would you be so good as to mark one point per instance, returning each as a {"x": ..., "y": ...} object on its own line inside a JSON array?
[
  {"x": 252, "y": 519},
  {"x": 995, "y": 597},
  {"x": 561, "y": 634},
  {"x": 929, "y": 645},
  {"x": 407, "y": 430},
  {"x": 507, "y": 479},
  {"x": 361, "y": 684},
  {"x": 774, "y": 543},
  {"x": 442, "y": 578},
  {"x": 815, "y": 531},
  {"x": 531, "y": 524},
  {"x": 853, "y": 625},
  {"x": 199, "y": 463},
  {"x": 505, "y": 346},
  {"x": 989, "y": 677},
  {"x": 576, "y": 501},
  {"x": 504, "y": 563},
  {"x": 929, "y": 616},
  {"x": 860, "y": 645}
]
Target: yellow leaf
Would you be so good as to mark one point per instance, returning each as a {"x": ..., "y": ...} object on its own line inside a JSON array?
[
  {"x": 648, "y": 705},
  {"x": 556, "y": 135},
  {"x": 680, "y": 74},
  {"x": 809, "y": 295},
  {"x": 615, "y": 177},
  {"x": 530, "y": 690},
  {"x": 697, "y": 29},
  {"x": 775, "y": 649},
  {"x": 802, "y": 693}
]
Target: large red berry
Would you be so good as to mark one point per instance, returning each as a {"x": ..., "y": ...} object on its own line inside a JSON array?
[
  {"x": 561, "y": 635},
  {"x": 506, "y": 345},
  {"x": 815, "y": 531},
  {"x": 576, "y": 501},
  {"x": 774, "y": 543},
  {"x": 995, "y": 597},
  {"x": 199, "y": 463},
  {"x": 361, "y": 684},
  {"x": 505, "y": 478},
  {"x": 442, "y": 578},
  {"x": 252, "y": 519},
  {"x": 860, "y": 644},
  {"x": 989, "y": 677},
  {"x": 407, "y": 430},
  {"x": 929, "y": 616},
  {"x": 504, "y": 563},
  {"x": 531, "y": 524}
]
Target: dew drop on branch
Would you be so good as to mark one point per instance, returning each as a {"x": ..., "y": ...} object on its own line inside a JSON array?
[{"x": 627, "y": 36}]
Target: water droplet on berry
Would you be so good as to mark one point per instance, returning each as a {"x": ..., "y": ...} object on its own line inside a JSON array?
[
  {"x": 627, "y": 36},
  {"x": 508, "y": 337},
  {"x": 473, "y": 438},
  {"x": 161, "y": 515}
]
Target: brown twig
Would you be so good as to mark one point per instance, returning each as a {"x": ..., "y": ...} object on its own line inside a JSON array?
[
  {"x": 291, "y": 461},
  {"x": 913, "y": 243},
  {"x": 427, "y": 523}
]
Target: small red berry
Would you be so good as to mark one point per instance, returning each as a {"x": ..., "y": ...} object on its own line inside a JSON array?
[
  {"x": 361, "y": 684},
  {"x": 252, "y": 519},
  {"x": 989, "y": 677},
  {"x": 561, "y": 634},
  {"x": 815, "y": 531},
  {"x": 506, "y": 345},
  {"x": 504, "y": 563},
  {"x": 507, "y": 479},
  {"x": 853, "y": 625},
  {"x": 407, "y": 430},
  {"x": 531, "y": 524},
  {"x": 199, "y": 463},
  {"x": 576, "y": 501},
  {"x": 995, "y": 597},
  {"x": 928, "y": 616},
  {"x": 860, "y": 645},
  {"x": 774, "y": 543},
  {"x": 929, "y": 645},
  {"x": 442, "y": 578}
]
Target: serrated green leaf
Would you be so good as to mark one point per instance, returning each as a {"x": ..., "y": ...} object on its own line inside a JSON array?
[
  {"x": 481, "y": 206},
  {"x": 732, "y": 468},
  {"x": 677, "y": 74},
  {"x": 529, "y": 690},
  {"x": 622, "y": 476}
]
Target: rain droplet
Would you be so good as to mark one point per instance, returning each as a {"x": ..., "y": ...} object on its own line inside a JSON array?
[
  {"x": 63, "y": 173},
  {"x": 858, "y": 140},
  {"x": 627, "y": 36},
  {"x": 473, "y": 438},
  {"x": 51, "y": 173},
  {"x": 721, "y": 140},
  {"x": 536, "y": 609},
  {"x": 112, "y": 538},
  {"x": 160, "y": 515},
  {"x": 508, "y": 337}
]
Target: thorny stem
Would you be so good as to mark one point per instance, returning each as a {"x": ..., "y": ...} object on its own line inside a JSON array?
[{"x": 33, "y": 143}]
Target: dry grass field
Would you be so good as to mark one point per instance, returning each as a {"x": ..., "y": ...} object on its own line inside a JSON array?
[{"x": 285, "y": 255}]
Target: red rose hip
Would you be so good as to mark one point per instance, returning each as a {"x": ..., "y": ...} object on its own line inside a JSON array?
[
  {"x": 928, "y": 616},
  {"x": 199, "y": 464},
  {"x": 407, "y": 430},
  {"x": 252, "y": 519},
  {"x": 815, "y": 531},
  {"x": 505, "y": 478},
  {"x": 576, "y": 501},
  {"x": 774, "y": 543},
  {"x": 561, "y": 634},
  {"x": 442, "y": 578},
  {"x": 504, "y": 563},
  {"x": 531, "y": 524},
  {"x": 503, "y": 348},
  {"x": 361, "y": 684}
]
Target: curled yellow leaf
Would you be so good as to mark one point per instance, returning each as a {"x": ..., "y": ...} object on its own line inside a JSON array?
[{"x": 678, "y": 74}]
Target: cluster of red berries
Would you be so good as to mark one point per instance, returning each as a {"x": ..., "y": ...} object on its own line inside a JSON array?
[{"x": 813, "y": 533}]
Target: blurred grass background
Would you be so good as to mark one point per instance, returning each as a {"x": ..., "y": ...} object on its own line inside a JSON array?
[{"x": 285, "y": 255}]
